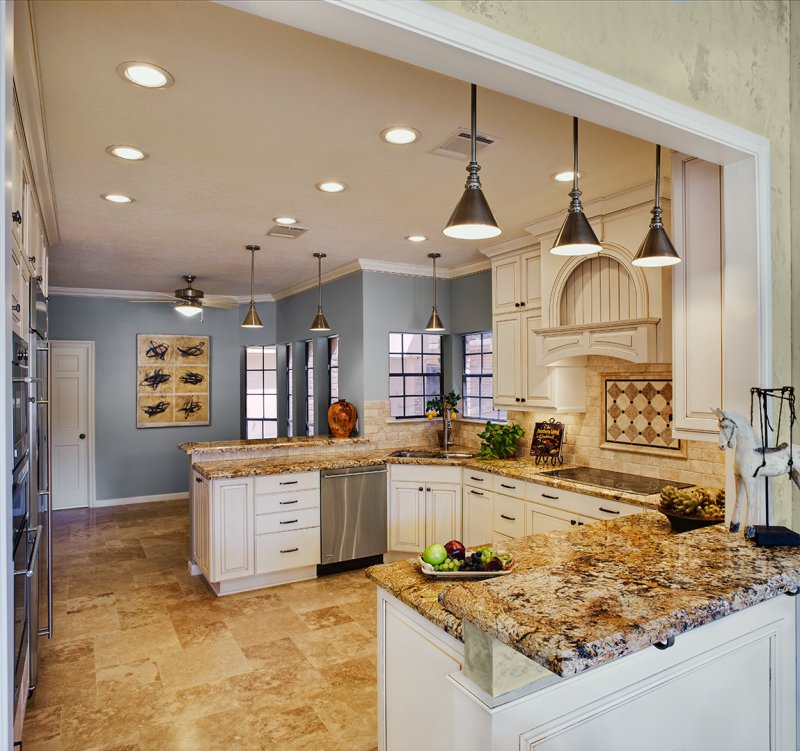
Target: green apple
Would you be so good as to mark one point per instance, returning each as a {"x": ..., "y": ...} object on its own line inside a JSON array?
[{"x": 434, "y": 554}]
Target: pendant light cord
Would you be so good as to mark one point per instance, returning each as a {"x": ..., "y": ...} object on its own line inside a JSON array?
[
  {"x": 575, "y": 193},
  {"x": 252, "y": 277},
  {"x": 656, "y": 211},
  {"x": 473, "y": 181},
  {"x": 319, "y": 280},
  {"x": 434, "y": 283}
]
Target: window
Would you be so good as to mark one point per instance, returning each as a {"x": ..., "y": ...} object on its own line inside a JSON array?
[
  {"x": 261, "y": 381},
  {"x": 333, "y": 368},
  {"x": 289, "y": 391},
  {"x": 477, "y": 387},
  {"x": 415, "y": 372},
  {"x": 309, "y": 387}
]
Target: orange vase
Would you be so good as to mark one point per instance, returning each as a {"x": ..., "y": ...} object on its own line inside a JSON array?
[{"x": 342, "y": 418}]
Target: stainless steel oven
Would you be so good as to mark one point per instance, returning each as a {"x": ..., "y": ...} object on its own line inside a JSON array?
[{"x": 20, "y": 393}]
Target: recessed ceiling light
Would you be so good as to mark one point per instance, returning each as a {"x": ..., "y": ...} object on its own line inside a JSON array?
[
  {"x": 286, "y": 221},
  {"x": 146, "y": 75},
  {"x": 565, "y": 177},
  {"x": 400, "y": 135},
  {"x": 416, "y": 238},
  {"x": 117, "y": 198},
  {"x": 331, "y": 186},
  {"x": 129, "y": 153}
]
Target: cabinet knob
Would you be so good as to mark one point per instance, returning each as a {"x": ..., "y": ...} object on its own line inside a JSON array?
[
  {"x": 516, "y": 304},
  {"x": 573, "y": 522},
  {"x": 16, "y": 308},
  {"x": 428, "y": 489},
  {"x": 522, "y": 305},
  {"x": 82, "y": 436},
  {"x": 16, "y": 217},
  {"x": 421, "y": 489},
  {"x": 523, "y": 399},
  {"x": 516, "y": 399},
  {"x": 198, "y": 479},
  {"x": 32, "y": 259}
]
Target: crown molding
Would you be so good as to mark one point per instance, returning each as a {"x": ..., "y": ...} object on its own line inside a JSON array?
[
  {"x": 347, "y": 269},
  {"x": 245, "y": 299}
]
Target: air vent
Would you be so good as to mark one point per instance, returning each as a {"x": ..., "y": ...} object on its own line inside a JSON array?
[
  {"x": 288, "y": 233},
  {"x": 457, "y": 144}
]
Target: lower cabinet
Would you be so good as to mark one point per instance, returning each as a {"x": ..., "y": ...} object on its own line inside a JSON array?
[
  {"x": 407, "y": 516},
  {"x": 232, "y": 524},
  {"x": 477, "y": 506},
  {"x": 201, "y": 527},
  {"x": 283, "y": 550},
  {"x": 541, "y": 519}
]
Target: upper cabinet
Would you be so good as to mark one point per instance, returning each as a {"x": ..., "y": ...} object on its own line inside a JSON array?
[
  {"x": 517, "y": 282},
  {"x": 698, "y": 298}
]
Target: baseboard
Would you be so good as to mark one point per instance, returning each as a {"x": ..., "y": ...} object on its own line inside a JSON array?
[{"x": 140, "y": 499}]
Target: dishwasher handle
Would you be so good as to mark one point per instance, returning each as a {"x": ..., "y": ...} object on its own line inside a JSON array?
[{"x": 354, "y": 474}]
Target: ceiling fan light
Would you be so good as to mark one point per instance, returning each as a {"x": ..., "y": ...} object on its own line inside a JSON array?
[
  {"x": 472, "y": 219},
  {"x": 319, "y": 323},
  {"x": 576, "y": 237},
  {"x": 434, "y": 322},
  {"x": 252, "y": 320},
  {"x": 656, "y": 250},
  {"x": 189, "y": 308}
]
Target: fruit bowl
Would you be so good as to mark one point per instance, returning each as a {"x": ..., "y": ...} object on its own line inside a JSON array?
[
  {"x": 430, "y": 570},
  {"x": 682, "y": 523}
]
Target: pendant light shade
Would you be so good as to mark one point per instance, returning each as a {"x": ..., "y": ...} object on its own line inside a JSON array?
[
  {"x": 189, "y": 308},
  {"x": 252, "y": 320},
  {"x": 434, "y": 322},
  {"x": 472, "y": 219},
  {"x": 656, "y": 248},
  {"x": 576, "y": 237},
  {"x": 319, "y": 323}
]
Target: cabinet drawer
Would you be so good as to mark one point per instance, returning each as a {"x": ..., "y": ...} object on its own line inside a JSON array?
[
  {"x": 578, "y": 503},
  {"x": 291, "y": 501},
  {"x": 289, "y": 481},
  {"x": 282, "y": 550},
  {"x": 509, "y": 516},
  {"x": 509, "y": 486},
  {"x": 286, "y": 520},
  {"x": 477, "y": 479},
  {"x": 599, "y": 508}
]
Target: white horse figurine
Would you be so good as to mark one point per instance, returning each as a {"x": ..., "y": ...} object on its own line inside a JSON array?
[{"x": 748, "y": 462}]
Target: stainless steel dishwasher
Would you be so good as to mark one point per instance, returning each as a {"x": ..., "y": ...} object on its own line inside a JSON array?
[{"x": 353, "y": 523}]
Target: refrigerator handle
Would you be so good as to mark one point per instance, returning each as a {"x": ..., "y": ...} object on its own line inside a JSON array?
[{"x": 48, "y": 629}]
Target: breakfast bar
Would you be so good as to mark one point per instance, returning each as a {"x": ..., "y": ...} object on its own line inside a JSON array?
[{"x": 597, "y": 628}]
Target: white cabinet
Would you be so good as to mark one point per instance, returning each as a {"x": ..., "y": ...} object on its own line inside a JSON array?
[
  {"x": 232, "y": 527},
  {"x": 16, "y": 293},
  {"x": 508, "y": 516},
  {"x": 697, "y": 298},
  {"x": 424, "y": 506},
  {"x": 542, "y": 519},
  {"x": 507, "y": 376},
  {"x": 201, "y": 523},
  {"x": 516, "y": 282},
  {"x": 477, "y": 506}
]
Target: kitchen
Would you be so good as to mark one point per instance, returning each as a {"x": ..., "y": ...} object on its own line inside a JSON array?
[{"x": 370, "y": 297}]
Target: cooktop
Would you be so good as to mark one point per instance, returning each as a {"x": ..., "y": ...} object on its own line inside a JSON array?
[{"x": 604, "y": 478}]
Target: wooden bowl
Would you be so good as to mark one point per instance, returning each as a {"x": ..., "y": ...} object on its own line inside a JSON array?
[{"x": 681, "y": 523}]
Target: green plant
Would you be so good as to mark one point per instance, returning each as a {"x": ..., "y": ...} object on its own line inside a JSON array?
[
  {"x": 434, "y": 407},
  {"x": 499, "y": 441}
]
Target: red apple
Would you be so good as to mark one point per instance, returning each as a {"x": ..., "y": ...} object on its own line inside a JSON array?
[{"x": 455, "y": 549}]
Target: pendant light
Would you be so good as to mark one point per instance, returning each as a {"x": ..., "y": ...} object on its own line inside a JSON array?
[
  {"x": 252, "y": 320},
  {"x": 472, "y": 219},
  {"x": 319, "y": 324},
  {"x": 434, "y": 322},
  {"x": 576, "y": 237},
  {"x": 656, "y": 248}
]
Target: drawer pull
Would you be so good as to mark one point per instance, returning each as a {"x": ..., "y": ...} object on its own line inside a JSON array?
[
  {"x": 573, "y": 522},
  {"x": 607, "y": 510},
  {"x": 292, "y": 521},
  {"x": 510, "y": 518},
  {"x": 551, "y": 497},
  {"x": 290, "y": 550},
  {"x": 476, "y": 492},
  {"x": 477, "y": 479},
  {"x": 198, "y": 479},
  {"x": 287, "y": 503},
  {"x": 288, "y": 482},
  {"x": 510, "y": 487}
]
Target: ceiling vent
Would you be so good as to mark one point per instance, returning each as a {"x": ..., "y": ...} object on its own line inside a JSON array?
[
  {"x": 457, "y": 144},
  {"x": 288, "y": 233}
]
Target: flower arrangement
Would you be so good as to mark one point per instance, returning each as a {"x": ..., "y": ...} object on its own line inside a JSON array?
[{"x": 448, "y": 403}]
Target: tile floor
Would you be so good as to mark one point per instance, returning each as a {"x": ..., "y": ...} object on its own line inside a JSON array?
[{"x": 146, "y": 657}]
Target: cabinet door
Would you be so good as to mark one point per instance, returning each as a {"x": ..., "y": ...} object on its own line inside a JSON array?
[
  {"x": 537, "y": 385},
  {"x": 407, "y": 517},
  {"x": 232, "y": 554},
  {"x": 201, "y": 527},
  {"x": 25, "y": 301},
  {"x": 16, "y": 292},
  {"x": 531, "y": 287},
  {"x": 507, "y": 360},
  {"x": 506, "y": 284},
  {"x": 442, "y": 513},
  {"x": 18, "y": 188},
  {"x": 542, "y": 519},
  {"x": 477, "y": 517},
  {"x": 33, "y": 230}
]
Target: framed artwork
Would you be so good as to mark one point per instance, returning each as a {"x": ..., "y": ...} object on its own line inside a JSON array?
[
  {"x": 637, "y": 415},
  {"x": 173, "y": 380}
]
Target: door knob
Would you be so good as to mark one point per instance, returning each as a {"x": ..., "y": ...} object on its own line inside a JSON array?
[{"x": 82, "y": 436}]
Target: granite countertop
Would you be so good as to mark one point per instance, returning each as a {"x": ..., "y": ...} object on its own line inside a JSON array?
[
  {"x": 519, "y": 469},
  {"x": 581, "y": 598},
  {"x": 266, "y": 444}
]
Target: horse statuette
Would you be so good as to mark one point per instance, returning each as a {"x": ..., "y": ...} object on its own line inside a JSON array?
[{"x": 751, "y": 462}]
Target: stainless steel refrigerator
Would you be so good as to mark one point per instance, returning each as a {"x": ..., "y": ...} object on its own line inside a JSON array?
[{"x": 41, "y": 607}]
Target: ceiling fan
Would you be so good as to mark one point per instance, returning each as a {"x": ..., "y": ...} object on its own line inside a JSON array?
[{"x": 190, "y": 301}]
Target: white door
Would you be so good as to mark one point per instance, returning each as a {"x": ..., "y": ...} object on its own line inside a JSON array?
[
  {"x": 407, "y": 517},
  {"x": 477, "y": 517},
  {"x": 72, "y": 422},
  {"x": 506, "y": 285},
  {"x": 442, "y": 513},
  {"x": 507, "y": 360}
]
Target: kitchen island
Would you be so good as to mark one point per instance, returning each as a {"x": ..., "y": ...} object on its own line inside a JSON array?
[{"x": 596, "y": 629}]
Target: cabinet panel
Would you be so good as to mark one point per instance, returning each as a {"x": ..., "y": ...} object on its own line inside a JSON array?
[
  {"x": 201, "y": 524},
  {"x": 16, "y": 293},
  {"x": 287, "y": 520},
  {"x": 542, "y": 519},
  {"x": 233, "y": 539},
  {"x": 509, "y": 515},
  {"x": 19, "y": 190},
  {"x": 537, "y": 378},
  {"x": 478, "y": 479},
  {"x": 271, "y": 503},
  {"x": 477, "y": 517},
  {"x": 407, "y": 517},
  {"x": 291, "y": 481},
  {"x": 442, "y": 513},
  {"x": 506, "y": 284},
  {"x": 284, "y": 550},
  {"x": 531, "y": 288},
  {"x": 507, "y": 360}
]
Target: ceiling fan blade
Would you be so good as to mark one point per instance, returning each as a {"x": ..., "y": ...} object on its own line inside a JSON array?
[
  {"x": 219, "y": 301},
  {"x": 172, "y": 301}
]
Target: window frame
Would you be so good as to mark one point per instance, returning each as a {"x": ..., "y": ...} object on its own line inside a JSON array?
[
  {"x": 310, "y": 400},
  {"x": 403, "y": 374},
  {"x": 333, "y": 366},
  {"x": 481, "y": 376},
  {"x": 264, "y": 394}
]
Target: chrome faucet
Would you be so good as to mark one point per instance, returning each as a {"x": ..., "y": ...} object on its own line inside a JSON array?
[{"x": 446, "y": 441}]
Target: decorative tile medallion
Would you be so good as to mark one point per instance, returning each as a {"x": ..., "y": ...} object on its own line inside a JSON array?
[{"x": 638, "y": 413}]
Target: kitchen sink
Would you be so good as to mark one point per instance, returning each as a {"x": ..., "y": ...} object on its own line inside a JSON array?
[{"x": 432, "y": 455}]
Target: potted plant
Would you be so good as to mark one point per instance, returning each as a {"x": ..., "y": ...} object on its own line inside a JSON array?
[
  {"x": 443, "y": 405},
  {"x": 499, "y": 441}
]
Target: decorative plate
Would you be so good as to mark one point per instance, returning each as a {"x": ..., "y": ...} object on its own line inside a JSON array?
[{"x": 428, "y": 570}]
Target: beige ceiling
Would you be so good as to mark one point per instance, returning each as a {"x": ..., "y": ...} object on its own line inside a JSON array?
[{"x": 258, "y": 114}]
